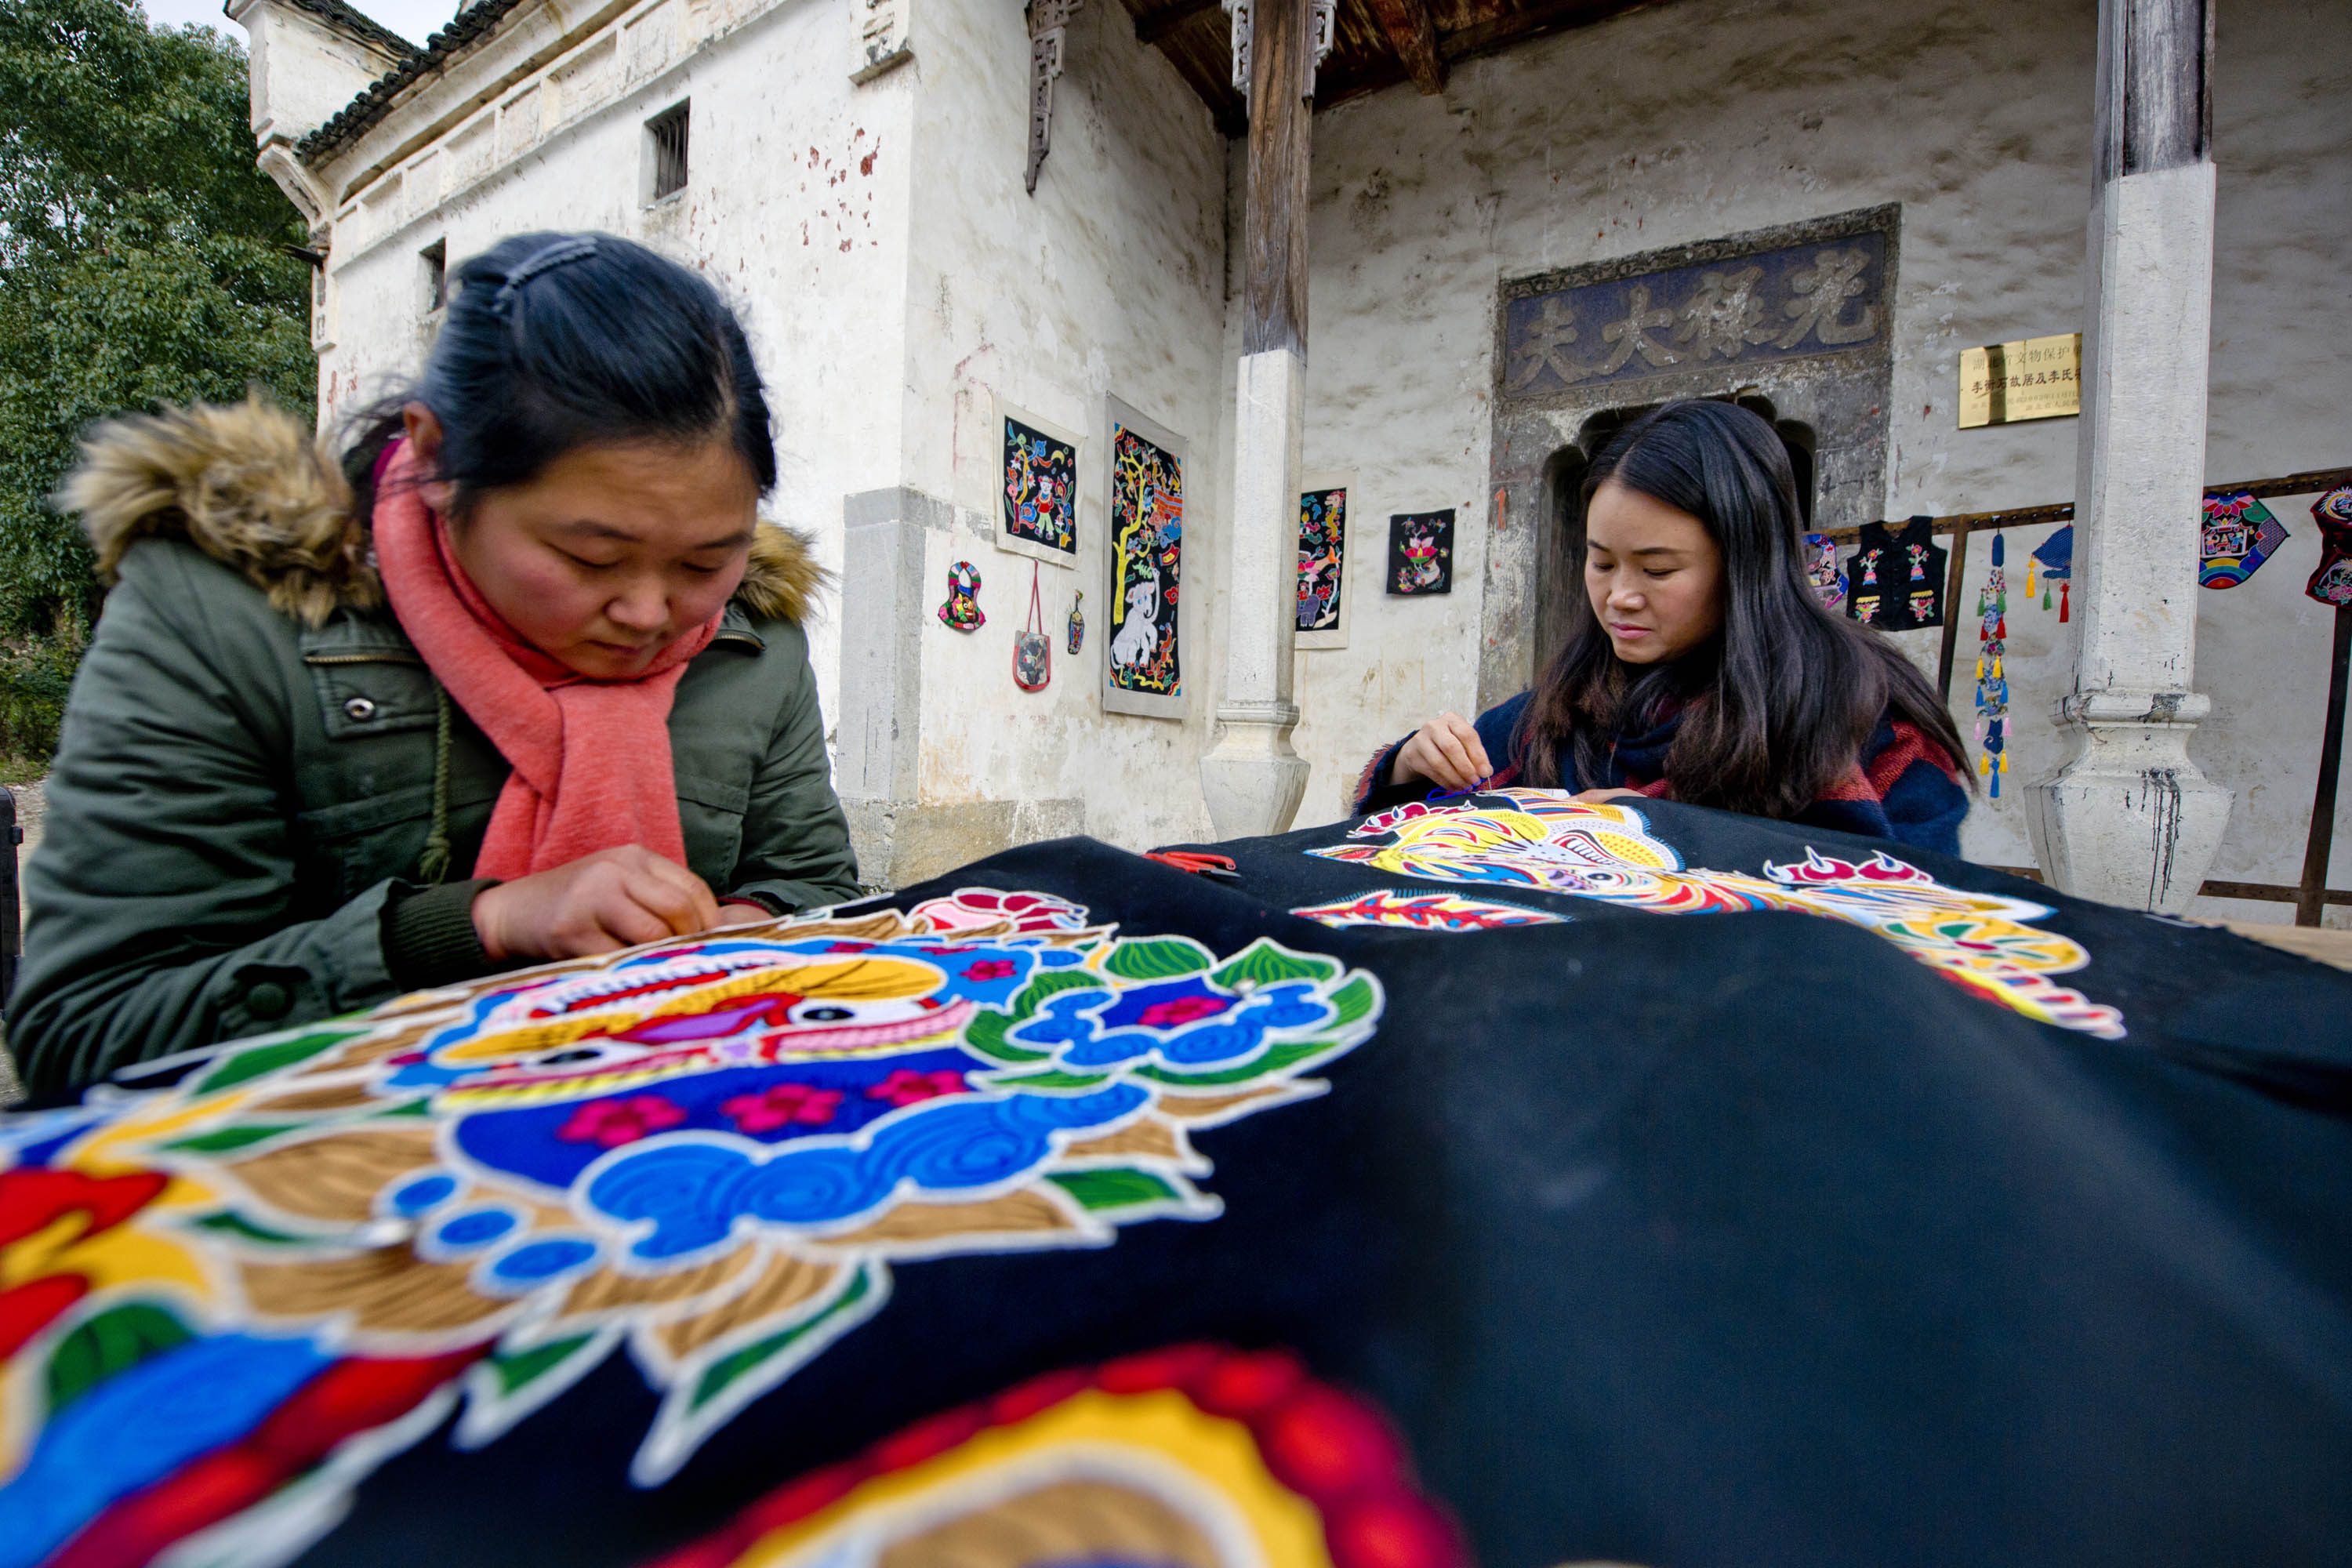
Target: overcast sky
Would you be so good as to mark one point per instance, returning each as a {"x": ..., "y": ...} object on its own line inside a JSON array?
[{"x": 413, "y": 19}]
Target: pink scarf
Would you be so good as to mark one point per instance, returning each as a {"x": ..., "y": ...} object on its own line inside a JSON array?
[{"x": 590, "y": 758}]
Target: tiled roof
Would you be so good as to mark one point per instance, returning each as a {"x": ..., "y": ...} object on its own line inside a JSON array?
[
  {"x": 361, "y": 25},
  {"x": 355, "y": 118}
]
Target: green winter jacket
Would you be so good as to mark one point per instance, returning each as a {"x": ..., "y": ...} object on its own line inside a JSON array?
[{"x": 252, "y": 762}]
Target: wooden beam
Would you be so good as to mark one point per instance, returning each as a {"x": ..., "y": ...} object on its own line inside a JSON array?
[
  {"x": 2320, "y": 844},
  {"x": 1414, "y": 37},
  {"x": 1955, "y": 573},
  {"x": 2154, "y": 108},
  {"x": 1281, "y": 127},
  {"x": 1157, "y": 24}
]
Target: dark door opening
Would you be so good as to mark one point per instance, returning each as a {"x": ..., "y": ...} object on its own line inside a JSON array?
[{"x": 1559, "y": 561}]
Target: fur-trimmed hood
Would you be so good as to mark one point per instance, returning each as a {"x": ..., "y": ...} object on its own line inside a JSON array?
[{"x": 248, "y": 486}]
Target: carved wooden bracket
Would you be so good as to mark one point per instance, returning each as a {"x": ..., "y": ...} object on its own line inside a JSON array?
[
  {"x": 1321, "y": 18},
  {"x": 1048, "y": 23}
]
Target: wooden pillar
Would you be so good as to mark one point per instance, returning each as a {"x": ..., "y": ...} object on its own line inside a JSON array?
[
  {"x": 1281, "y": 112},
  {"x": 2131, "y": 820},
  {"x": 1251, "y": 779}
]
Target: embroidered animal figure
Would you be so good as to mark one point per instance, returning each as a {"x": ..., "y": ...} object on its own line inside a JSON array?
[
  {"x": 1315, "y": 597},
  {"x": 1140, "y": 635}
]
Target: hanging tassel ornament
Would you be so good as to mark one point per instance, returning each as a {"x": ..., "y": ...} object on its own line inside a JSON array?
[
  {"x": 2056, "y": 556},
  {"x": 1992, "y": 684}
]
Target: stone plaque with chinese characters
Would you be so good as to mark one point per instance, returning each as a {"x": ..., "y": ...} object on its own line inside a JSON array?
[
  {"x": 1778, "y": 304},
  {"x": 2036, "y": 378}
]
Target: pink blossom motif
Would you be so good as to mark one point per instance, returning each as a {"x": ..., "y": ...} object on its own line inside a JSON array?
[
  {"x": 1178, "y": 1011},
  {"x": 783, "y": 1105},
  {"x": 968, "y": 908},
  {"x": 610, "y": 1123},
  {"x": 989, "y": 969},
  {"x": 904, "y": 1086}
]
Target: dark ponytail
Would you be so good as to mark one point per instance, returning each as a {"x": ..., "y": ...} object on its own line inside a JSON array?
[
  {"x": 555, "y": 342},
  {"x": 1777, "y": 706}
]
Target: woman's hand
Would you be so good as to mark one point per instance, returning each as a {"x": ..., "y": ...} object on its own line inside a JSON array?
[
  {"x": 743, "y": 912},
  {"x": 1595, "y": 796},
  {"x": 598, "y": 904},
  {"x": 1446, "y": 751}
]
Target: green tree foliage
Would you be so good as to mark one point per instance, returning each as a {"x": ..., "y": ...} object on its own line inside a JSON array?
[{"x": 143, "y": 259}]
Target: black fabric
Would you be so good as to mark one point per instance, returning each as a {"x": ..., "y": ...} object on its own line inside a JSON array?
[
  {"x": 1711, "y": 1238},
  {"x": 1895, "y": 580}
]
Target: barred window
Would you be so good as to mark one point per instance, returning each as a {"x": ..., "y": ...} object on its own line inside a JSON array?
[{"x": 666, "y": 132}]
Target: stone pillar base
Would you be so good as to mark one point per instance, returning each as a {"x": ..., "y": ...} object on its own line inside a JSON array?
[
  {"x": 1252, "y": 779},
  {"x": 901, "y": 842},
  {"x": 2131, "y": 820}
]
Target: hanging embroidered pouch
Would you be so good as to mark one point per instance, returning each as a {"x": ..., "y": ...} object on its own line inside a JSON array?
[
  {"x": 1032, "y": 650},
  {"x": 2332, "y": 583}
]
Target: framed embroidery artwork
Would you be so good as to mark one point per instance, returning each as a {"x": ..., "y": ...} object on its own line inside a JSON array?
[
  {"x": 1143, "y": 672},
  {"x": 1323, "y": 530},
  {"x": 1038, "y": 487},
  {"x": 1420, "y": 552}
]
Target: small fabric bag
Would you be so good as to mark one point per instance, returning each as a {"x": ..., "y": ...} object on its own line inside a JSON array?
[
  {"x": 2331, "y": 583},
  {"x": 1032, "y": 650}
]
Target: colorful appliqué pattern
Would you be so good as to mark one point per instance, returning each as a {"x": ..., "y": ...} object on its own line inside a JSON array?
[
  {"x": 1992, "y": 684},
  {"x": 223, "y": 1302},
  {"x": 1425, "y": 911},
  {"x": 1041, "y": 490},
  {"x": 1420, "y": 552},
  {"x": 961, "y": 611},
  {"x": 1544, "y": 838},
  {"x": 1821, "y": 570},
  {"x": 2240, "y": 534},
  {"x": 2331, "y": 581},
  {"x": 1194, "y": 1457},
  {"x": 1322, "y": 558},
  {"x": 1147, "y": 526}
]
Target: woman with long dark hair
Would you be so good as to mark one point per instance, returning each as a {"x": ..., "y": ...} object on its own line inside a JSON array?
[
  {"x": 1698, "y": 665},
  {"x": 520, "y": 675}
]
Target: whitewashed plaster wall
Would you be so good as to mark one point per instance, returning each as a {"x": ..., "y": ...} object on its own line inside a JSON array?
[
  {"x": 1712, "y": 117},
  {"x": 1108, "y": 282},
  {"x": 796, "y": 208}
]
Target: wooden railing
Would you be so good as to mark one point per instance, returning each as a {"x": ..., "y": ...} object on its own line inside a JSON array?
[{"x": 2312, "y": 894}]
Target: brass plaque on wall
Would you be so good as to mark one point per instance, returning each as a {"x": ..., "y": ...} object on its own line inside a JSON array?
[{"x": 2036, "y": 378}]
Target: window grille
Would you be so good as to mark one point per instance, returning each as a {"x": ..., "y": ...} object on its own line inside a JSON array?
[
  {"x": 667, "y": 131},
  {"x": 436, "y": 257}
]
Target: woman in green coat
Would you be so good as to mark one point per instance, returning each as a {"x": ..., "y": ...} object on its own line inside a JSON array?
[{"x": 522, "y": 678}]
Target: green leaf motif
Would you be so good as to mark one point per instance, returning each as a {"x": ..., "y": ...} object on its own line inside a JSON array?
[
  {"x": 727, "y": 1369},
  {"x": 228, "y": 1223},
  {"x": 985, "y": 1033},
  {"x": 260, "y": 1060},
  {"x": 1116, "y": 1189},
  {"x": 523, "y": 1368},
  {"x": 225, "y": 1139},
  {"x": 1053, "y": 1078},
  {"x": 111, "y": 1343},
  {"x": 1033, "y": 995},
  {"x": 1356, "y": 1001},
  {"x": 1266, "y": 963},
  {"x": 1157, "y": 958}
]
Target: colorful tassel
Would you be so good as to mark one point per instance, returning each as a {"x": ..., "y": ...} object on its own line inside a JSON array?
[{"x": 1993, "y": 685}]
